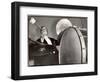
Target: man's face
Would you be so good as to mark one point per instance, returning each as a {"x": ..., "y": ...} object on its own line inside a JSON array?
[{"x": 44, "y": 31}]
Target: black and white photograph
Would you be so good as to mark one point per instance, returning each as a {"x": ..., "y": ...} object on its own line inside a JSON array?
[
  {"x": 53, "y": 40},
  {"x": 56, "y": 40}
]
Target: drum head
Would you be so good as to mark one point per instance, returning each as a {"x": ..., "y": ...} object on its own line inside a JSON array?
[
  {"x": 70, "y": 47},
  {"x": 62, "y": 25}
]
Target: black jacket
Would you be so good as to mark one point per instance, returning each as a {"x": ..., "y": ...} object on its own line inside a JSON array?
[{"x": 54, "y": 41}]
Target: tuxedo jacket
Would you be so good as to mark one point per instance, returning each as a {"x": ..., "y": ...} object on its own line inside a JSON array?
[{"x": 54, "y": 41}]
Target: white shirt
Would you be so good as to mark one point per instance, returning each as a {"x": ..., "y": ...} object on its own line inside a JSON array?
[{"x": 47, "y": 40}]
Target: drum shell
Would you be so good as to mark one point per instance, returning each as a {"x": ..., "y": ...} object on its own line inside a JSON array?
[{"x": 72, "y": 45}]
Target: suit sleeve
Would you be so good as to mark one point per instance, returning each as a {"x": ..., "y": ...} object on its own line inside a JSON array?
[{"x": 55, "y": 42}]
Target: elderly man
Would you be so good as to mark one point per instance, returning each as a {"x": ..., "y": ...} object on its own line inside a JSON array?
[
  {"x": 45, "y": 39},
  {"x": 44, "y": 51}
]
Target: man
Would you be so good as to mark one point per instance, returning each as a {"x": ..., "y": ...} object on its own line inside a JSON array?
[
  {"x": 46, "y": 52},
  {"x": 45, "y": 39}
]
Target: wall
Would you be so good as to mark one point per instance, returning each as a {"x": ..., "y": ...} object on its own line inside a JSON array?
[
  {"x": 5, "y": 40},
  {"x": 50, "y": 23}
]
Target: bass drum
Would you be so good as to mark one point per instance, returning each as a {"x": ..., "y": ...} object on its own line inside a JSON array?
[{"x": 72, "y": 47}]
